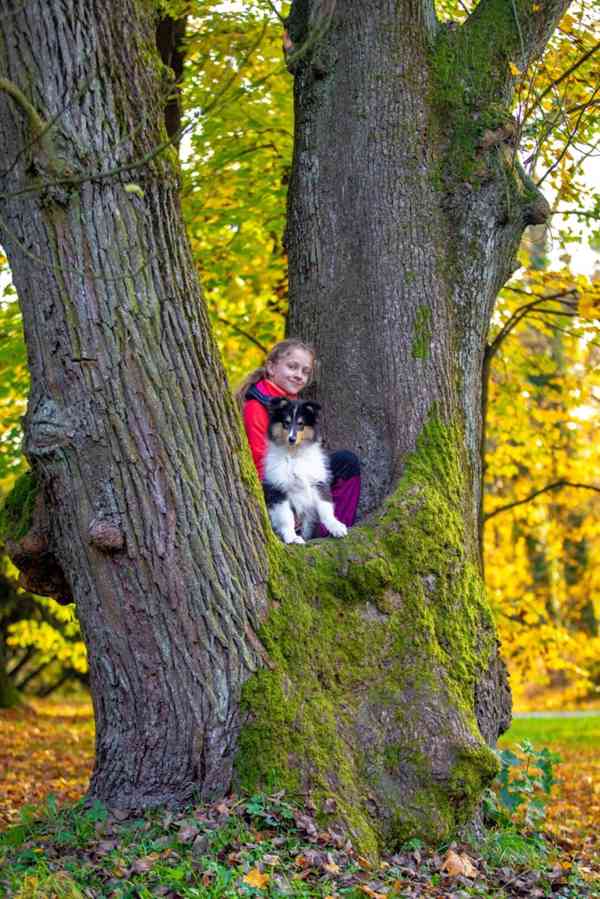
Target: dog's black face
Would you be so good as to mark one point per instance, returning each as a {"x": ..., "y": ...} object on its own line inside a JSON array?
[{"x": 292, "y": 422}]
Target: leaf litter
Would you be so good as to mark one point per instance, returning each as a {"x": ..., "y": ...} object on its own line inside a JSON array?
[
  {"x": 252, "y": 846},
  {"x": 259, "y": 846}
]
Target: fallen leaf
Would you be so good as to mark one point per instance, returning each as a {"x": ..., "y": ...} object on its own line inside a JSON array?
[
  {"x": 372, "y": 893},
  {"x": 143, "y": 865},
  {"x": 331, "y": 868},
  {"x": 255, "y": 878},
  {"x": 106, "y": 846},
  {"x": 456, "y": 865},
  {"x": 187, "y": 834}
]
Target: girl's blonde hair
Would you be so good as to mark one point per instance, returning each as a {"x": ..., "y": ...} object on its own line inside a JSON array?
[{"x": 277, "y": 352}]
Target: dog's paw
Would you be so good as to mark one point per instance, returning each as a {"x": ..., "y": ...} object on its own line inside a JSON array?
[
  {"x": 293, "y": 538},
  {"x": 337, "y": 529}
]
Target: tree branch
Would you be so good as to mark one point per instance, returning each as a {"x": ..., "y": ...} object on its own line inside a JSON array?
[
  {"x": 557, "y": 485},
  {"x": 570, "y": 140},
  {"x": 243, "y": 333},
  {"x": 579, "y": 62},
  {"x": 519, "y": 314},
  {"x": 593, "y": 214},
  {"x": 35, "y": 120},
  {"x": 524, "y": 33}
]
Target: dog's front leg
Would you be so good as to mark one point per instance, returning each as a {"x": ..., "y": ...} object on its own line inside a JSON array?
[
  {"x": 328, "y": 520},
  {"x": 308, "y": 524},
  {"x": 282, "y": 519}
]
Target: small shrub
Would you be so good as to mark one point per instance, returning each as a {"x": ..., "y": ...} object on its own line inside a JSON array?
[{"x": 521, "y": 792}]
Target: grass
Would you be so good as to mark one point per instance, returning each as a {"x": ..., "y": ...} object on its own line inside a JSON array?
[
  {"x": 573, "y": 814},
  {"x": 260, "y": 846},
  {"x": 561, "y": 731}
]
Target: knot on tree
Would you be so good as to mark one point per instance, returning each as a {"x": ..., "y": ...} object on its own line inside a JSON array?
[
  {"x": 537, "y": 211},
  {"x": 46, "y": 427},
  {"x": 535, "y": 207},
  {"x": 106, "y": 535},
  {"x": 39, "y": 570},
  {"x": 507, "y": 133}
]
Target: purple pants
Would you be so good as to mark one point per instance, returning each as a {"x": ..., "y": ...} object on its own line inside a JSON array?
[{"x": 345, "y": 488}]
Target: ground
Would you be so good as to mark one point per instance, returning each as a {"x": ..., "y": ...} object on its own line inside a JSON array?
[{"x": 265, "y": 846}]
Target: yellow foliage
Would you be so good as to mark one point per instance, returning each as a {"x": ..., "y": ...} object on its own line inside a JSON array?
[{"x": 542, "y": 429}]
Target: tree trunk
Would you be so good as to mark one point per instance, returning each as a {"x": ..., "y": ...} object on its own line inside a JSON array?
[
  {"x": 9, "y": 695},
  {"x": 406, "y": 207},
  {"x": 130, "y": 426},
  {"x": 380, "y": 685}
]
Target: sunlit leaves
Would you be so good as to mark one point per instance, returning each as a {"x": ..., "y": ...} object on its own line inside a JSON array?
[
  {"x": 14, "y": 382},
  {"x": 542, "y": 429},
  {"x": 236, "y": 167},
  {"x": 51, "y": 643}
]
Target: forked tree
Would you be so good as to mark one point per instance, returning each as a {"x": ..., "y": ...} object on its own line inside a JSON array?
[{"x": 366, "y": 669}]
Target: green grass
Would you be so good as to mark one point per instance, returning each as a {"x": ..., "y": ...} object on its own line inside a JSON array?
[{"x": 543, "y": 731}]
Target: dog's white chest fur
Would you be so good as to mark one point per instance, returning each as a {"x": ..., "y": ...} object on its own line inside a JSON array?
[{"x": 298, "y": 473}]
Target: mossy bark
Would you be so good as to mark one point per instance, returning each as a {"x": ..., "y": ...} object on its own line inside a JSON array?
[
  {"x": 406, "y": 207},
  {"x": 376, "y": 646}
]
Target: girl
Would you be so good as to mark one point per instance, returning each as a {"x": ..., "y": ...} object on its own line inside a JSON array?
[{"x": 287, "y": 369}]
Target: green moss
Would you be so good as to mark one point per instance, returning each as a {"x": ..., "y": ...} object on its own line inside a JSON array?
[
  {"x": 472, "y": 771},
  {"x": 366, "y": 636},
  {"x": 422, "y": 333},
  {"x": 427, "y": 803},
  {"x": 16, "y": 514},
  {"x": 471, "y": 82}
]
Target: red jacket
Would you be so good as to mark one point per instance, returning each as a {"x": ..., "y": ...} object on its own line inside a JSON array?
[{"x": 256, "y": 422}]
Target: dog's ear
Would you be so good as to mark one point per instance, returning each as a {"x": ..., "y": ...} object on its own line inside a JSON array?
[
  {"x": 312, "y": 407},
  {"x": 277, "y": 405},
  {"x": 276, "y": 402}
]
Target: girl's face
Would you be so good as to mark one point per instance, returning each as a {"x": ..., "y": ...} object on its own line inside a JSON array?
[{"x": 291, "y": 371}]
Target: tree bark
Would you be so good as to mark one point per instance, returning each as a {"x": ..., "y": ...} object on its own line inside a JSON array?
[
  {"x": 153, "y": 516},
  {"x": 406, "y": 208},
  {"x": 407, "y": 203}
]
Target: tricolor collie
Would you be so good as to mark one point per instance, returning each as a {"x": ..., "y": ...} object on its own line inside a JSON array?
[{"x": 296, "y": 479}]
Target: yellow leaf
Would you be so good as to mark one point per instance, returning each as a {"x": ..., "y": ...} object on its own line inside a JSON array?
[
  {"x": 256, "y": 878},
  {"x": 514, "y": 70},
  {"x": 132, "y": 188},
  {"x": 331, "y": 868},
  {"x": 456, "y": 865}
]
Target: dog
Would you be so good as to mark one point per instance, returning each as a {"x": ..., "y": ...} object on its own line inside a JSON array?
[{"x": 296, "y": 479}]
